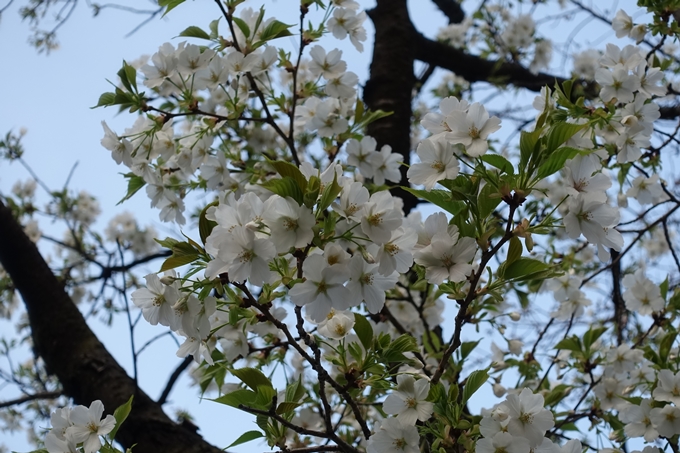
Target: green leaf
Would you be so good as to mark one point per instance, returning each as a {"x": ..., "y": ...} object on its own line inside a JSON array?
[
  {"x": 394, "y": 352},
  {"x": 168, "y": 243},
  {"x": 359, "y": 111},
  {"x": 514, "y": 250},
  {"x": 182, "y": 253},
  {"x": 527, "y": 145},
  {"x": 312, "y": 192},
  {"x": 274, "y": 30},
  {"x": 130, "y": 75},
  {"x": 498, "y": 161},
  {"x": 214, "y": 32},
  {"x": 555, "y": 161},
  {"x": 105, "y": 100},
  {"x": 664, "y": 288},
  {"x": 287, "y": 407},
  {"x": 120, "y": 414},
  {"x": 439, "y": 198},
  {"x": 559, "y": 133},
  {"x": 364, "y": 330},
  {"x": 285, "y": 187},
  {"x": 241, "y": 24},
  {"x": 295, "y": 391},
  {"x": 195, "y": 32},
  {"x": 245, "y": 437},
  {"x": 569, "y": 344},
  {"x": 522, "y": 268},
  {"x": 330, "y": 193},
  {"x": 252, "y": 377},
  {"x": 474, "y": 381},
  {"x": 467, "y": 347},
  {"x": 488, "y": 200},
  {"x": 206, "y": 226},
  {"x": 592, "y": 335},
  {"x": 284, "y": 169},
  {"x": 171, "y": 4},
  {"x": 557, "y": 394},
  {"x": 236, "y": 398},
  {"x": 666, "y": 345},
  {"x": 134, "y": 184}
]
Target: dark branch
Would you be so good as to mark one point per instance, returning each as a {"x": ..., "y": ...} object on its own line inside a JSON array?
[
  {"x": 451, "y": 9},
  {"x": 27, "y": 398},
  {"x": 173, "y": 379}
]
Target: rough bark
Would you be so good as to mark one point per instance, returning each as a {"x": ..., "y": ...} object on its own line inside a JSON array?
[
  {"x": 72, "y": 352},
  {"x": 391, "y": 84}
]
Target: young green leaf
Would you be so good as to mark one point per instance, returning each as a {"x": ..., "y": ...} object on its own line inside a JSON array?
[
  {"x": 245, "y": 437},
  {"x": 120, "y": 414},
  {"x": 474, "y": 381},
  {"x": 195, "y": 32}
]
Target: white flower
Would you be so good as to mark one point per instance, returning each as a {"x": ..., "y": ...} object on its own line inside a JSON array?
[
  {"x": 622, "y": 24},
  {"x": 642, "y": 295},
  {"x": 646, "y": 190},
  {"x": 437, "y": 161},
  {"x": 394, "y": 437},
  {"x": 528, "y": 417},
  {"x": 385, "y": 165},
  {"x": 53, "y": 444},
  {"x": 88, "y": 426},
  {"x": 596, "y": 220},
  {"x": 472, "y": 129},
  {"x": 290, "y": 224},
  {"x": 396, "y": 255},
  {"x": 329, "y": 65},
  {"x": 245, "y": 257},
  {"x": 337, "y": 324},
  {"x": 623, "y": 358},
  {"x": 617, "y": 84},
  {"x": 668, "y": 388},
  {"x": 380, "y": 217},
  {"x": 352, "y": 199},
  {"x": 638, "y": 422},
  {"x": 502, "y": 443},
  {"x": 666, "y": 420},
  {"x": 572, "y": 305},
  {"x": 360, "y": 154},
  {"x": 446, "y": 259},
  {"x": 322, "y": 290},
  {"x": 407, "y": 402},
  {"x": 343, "y": 85},
  {"x": 367, "y": 285},
  {"x": 581, "y": 178},
  {"x": 436, "y": 123},
  {"x": 157, "y": 300}
]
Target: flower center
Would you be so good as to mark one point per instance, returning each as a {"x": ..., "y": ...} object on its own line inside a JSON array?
[
  {"x": 290, "y": 224},
  {"x": 438, "y": 165},
  {"x": 392, "y": 249},
  {"x": 375, "y": 220},
  {"x": 246, "y": 256}
]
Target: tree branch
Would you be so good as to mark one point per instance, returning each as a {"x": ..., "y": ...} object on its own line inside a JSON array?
[
  {"x": 451, "y": 9},
  {"x": 173, "y": 378},
  {"x": 27, "y": 398}
]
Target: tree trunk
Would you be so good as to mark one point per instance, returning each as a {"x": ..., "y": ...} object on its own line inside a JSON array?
[{"x": 72, "y": 352}]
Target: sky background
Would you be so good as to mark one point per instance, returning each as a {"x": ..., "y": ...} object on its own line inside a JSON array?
[{"x": 50, "y": 96}]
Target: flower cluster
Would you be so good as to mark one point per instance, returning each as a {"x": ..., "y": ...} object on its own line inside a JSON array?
[{"x": 78, "y": 426}]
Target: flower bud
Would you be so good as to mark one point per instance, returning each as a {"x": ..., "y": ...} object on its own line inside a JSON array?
[
  {"x": 515, "y": 316},
  {"x": 499, "y": 390}
]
